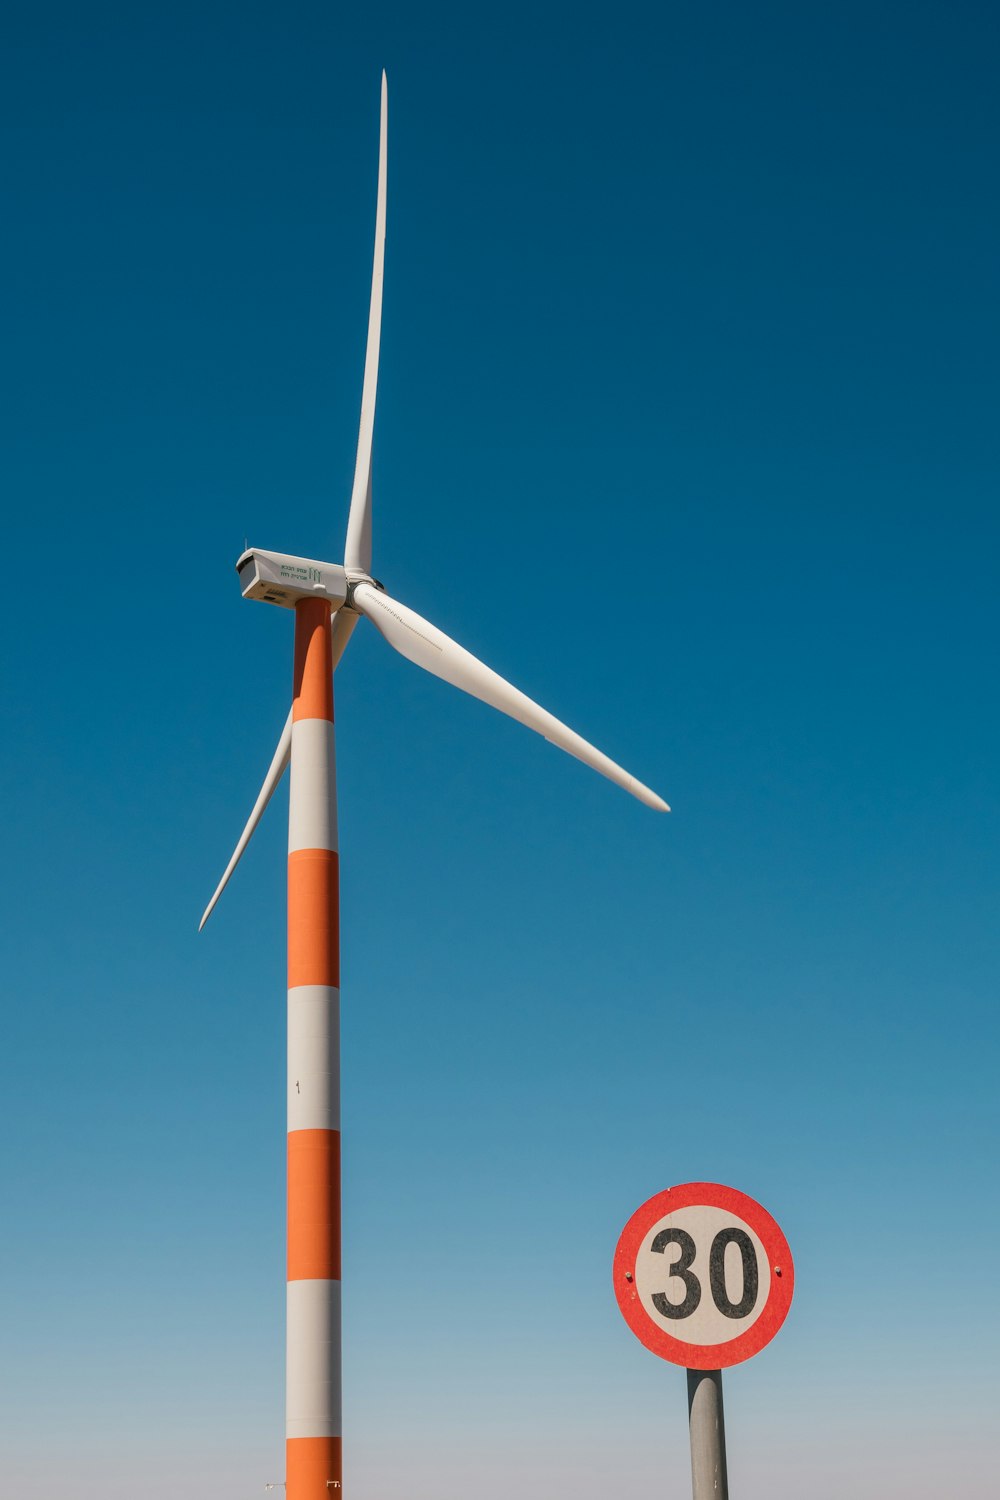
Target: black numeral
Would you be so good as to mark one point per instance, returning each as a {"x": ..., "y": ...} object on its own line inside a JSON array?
[
  {"x": 679, "y": 1269},
  {"x": 717, "y": 1272}
]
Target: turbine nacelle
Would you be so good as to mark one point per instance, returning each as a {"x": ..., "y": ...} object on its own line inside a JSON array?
[{"x": 277, "y": 578}]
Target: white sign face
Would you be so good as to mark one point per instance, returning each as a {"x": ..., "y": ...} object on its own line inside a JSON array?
[{"x": 703, "y": 1276}]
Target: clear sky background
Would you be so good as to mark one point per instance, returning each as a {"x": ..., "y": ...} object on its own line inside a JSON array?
[{"x": 687, "y": 423}]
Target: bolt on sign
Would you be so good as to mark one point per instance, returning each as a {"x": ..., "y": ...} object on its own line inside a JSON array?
[{"x": 703, "y": 1276}]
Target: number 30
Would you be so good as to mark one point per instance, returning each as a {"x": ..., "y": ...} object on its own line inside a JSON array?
[{"x": 681, "y": 1268}]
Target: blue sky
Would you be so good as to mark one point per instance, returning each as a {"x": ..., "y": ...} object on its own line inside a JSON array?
[{"x": 687, "y": 424}]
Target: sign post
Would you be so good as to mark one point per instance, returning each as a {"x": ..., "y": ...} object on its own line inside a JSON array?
[
  {"x": 707, "y": 1424},
  {"x": 704, "y": 1278}
]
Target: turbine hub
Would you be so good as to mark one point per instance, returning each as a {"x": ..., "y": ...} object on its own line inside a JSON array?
[{"x": 354, "y": 580}]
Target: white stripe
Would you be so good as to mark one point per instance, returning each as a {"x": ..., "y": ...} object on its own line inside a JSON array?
[
  {"x": 313, "y": 1057},
  {"x": 312, "y": 806},
  {"x": 312, "y": 1387}
]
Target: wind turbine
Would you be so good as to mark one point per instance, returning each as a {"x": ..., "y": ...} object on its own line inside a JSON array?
[{"x": 329, "y": 600}]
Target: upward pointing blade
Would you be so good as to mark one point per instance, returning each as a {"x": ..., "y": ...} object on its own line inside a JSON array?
[
  {"x": 274, "y": 774},
  {"x": 358, "y": 551},
  {"x": 431, "y": 649}
]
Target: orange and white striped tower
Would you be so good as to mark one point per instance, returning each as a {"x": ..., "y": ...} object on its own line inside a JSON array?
[{"x": 313, "y": 1390}]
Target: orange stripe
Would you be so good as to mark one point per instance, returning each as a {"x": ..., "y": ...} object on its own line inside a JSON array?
[
  {"x": 312, "y": 696},
  {"x": 313, "y": 917},
  {"x": 314, "y": 1205},
  {"x": 310, "y": 1463}
]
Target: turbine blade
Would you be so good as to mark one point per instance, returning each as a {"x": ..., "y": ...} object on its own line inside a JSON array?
[
  {"x": 431, "y": 649},
  {"x": 341, "y": 629},
  {"x": 276, "y": 770},
  {"x": 358, "y": 551}
]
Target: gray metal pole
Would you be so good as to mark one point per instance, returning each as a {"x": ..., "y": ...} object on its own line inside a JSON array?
[{"x": 709, "y": 1480}]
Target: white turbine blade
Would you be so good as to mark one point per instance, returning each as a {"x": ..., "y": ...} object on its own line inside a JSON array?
[
  {"x": 275, "y": 772},
  {"x": 431, "y": 649},
  {"x": 358, "y": 551},
  {"x": 341, "y": 628}
]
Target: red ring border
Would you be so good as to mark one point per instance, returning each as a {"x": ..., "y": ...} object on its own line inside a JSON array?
[{"x": 704, "y": 1356}]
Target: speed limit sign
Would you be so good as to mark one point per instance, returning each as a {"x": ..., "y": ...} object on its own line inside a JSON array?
[{"x": 703, "y": 1276}]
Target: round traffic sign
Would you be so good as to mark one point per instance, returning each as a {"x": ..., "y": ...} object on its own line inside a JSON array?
[{"x": 703, "y": 1276}]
